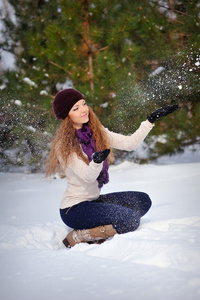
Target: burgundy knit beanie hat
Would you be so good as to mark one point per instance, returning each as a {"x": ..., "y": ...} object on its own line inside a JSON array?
[{"x": 64, "y": 101}]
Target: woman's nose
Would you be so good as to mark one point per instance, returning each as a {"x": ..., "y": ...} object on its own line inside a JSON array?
[{"x": 84, "y": 108}]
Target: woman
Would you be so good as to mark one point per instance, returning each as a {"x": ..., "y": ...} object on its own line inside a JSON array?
[{"x": 81, "y": 149}]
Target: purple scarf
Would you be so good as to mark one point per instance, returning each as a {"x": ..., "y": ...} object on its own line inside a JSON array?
[{"x": 88, "y": 144}]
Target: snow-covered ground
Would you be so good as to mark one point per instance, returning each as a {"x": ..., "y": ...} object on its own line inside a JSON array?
[{"x": 161, "y": 260}]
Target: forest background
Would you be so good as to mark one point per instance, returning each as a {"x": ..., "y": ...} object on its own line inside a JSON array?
[{"x": 127, "y": 57}]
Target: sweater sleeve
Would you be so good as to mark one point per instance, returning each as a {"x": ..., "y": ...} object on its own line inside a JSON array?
[
  {"x": 86, "y": 173},
  {"x": 129, "y": 143}
]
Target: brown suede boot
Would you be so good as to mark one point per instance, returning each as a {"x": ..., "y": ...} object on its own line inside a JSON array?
[{"x": 96, "y": 234}]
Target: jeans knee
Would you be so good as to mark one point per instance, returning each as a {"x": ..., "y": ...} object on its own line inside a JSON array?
[
  {"x": 131, "y": 223},
  {"x": 148, "y": 202},
  {"x": 134, "y": 222}
]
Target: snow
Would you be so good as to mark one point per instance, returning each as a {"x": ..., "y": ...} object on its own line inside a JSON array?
[
  {"x": 43, "y": 93},
  {"x": 66, "y": 85},
  {"x": 104, "y": 105},
  {"x": 2, "y": 87},
  {"x": 157, "y": 71},
  {"x": 29, "y": 81},
  {"x": 18, "y": 102},
  {"x": 7, "y": 59},
  {"x": 161, "y": 260},
  {"x": 31, "y": 128}
]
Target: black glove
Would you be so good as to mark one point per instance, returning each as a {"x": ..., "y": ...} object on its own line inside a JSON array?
[
  {"x": 161, "y": 112},
  {"x": 100, "y": 156}
]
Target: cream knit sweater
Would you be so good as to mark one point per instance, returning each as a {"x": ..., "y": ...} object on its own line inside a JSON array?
[{"x": 81, "y": 178}]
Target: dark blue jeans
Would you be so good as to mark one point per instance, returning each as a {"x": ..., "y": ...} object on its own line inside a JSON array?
[{"x": 122, "y": 209}]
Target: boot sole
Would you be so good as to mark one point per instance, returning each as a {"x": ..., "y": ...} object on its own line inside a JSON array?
[{"x": 66, "y": 243}]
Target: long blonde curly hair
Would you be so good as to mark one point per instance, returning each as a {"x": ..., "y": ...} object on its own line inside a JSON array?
[{"x": 65, "y": 143}]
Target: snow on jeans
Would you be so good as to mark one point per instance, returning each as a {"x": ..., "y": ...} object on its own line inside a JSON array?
[{"x": 122, "y": 209}]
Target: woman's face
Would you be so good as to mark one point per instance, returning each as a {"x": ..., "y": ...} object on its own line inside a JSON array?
[{"x": 79, "y": 114}]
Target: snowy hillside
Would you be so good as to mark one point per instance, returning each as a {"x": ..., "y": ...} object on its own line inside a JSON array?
[{"x": 161, "y": 260}]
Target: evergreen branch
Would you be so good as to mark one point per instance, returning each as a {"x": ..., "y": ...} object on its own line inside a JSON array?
[
  {"x": 121, "y": 31},
  {"x": 101, "y": 49},
  {"x": 80, "y": 35},
  {"x": 124, "y": 25},
  {"x": 82, "y": 69},
  {"x": 188, "y": 143},
  {"x": 177, "y": 21},
  {"x": 174, "y": 10},
  {"x": 60, "y": 67},
  {"x": 45, "y": 111},
  {"x": 36, "y": 44},
  {"x": 109, "y": 4}
]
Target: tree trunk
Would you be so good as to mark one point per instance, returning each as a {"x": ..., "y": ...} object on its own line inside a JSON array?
[{"x": 91, "y": 75}]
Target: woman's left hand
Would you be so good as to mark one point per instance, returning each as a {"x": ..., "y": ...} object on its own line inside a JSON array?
[{"x": 161, "y": 112}]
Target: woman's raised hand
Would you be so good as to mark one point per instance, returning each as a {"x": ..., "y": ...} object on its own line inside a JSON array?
[{"x": 161, "y": 112}]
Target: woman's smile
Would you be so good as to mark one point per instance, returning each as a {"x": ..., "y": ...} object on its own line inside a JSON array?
[{"x": 85, "y": 115}]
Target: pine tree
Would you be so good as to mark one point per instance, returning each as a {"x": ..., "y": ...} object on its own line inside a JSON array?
[
  {"x": 107, "y": 50},
  {"x": 96, "y": 44}
]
